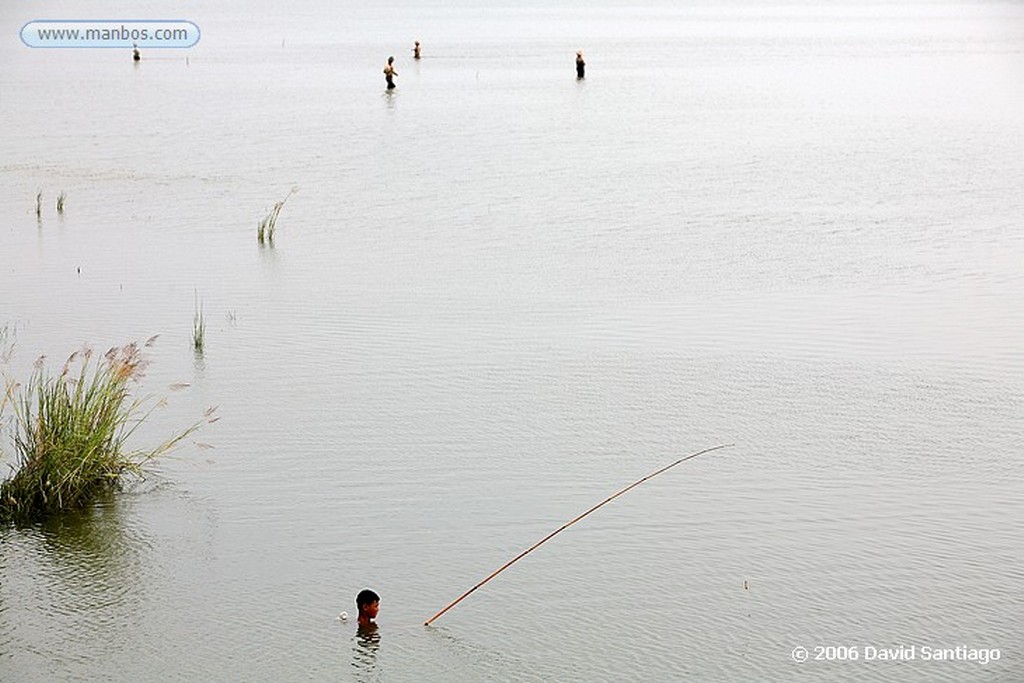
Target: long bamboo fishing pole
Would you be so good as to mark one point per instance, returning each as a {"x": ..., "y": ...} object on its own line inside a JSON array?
[{"x": 569, "y": 524}]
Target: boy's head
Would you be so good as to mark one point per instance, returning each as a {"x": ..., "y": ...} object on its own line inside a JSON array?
[{"x": 368, "y": 604}]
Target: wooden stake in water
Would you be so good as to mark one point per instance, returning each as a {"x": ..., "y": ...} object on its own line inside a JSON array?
[{"x": 569, "y": 524}]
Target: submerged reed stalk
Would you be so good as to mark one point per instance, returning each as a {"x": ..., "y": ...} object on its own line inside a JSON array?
[
  {"x": 60, "y": 201},
  {"x": 265, "y": 228},
  {"x": 71, "y": 433},
  {"x": 198, "y": 326}
]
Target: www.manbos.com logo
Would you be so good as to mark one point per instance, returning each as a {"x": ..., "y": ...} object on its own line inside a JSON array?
[{"x": 171, "y": 33}]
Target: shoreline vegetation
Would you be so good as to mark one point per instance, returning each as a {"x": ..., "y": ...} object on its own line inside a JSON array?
[{"x": 70, "y": 433}]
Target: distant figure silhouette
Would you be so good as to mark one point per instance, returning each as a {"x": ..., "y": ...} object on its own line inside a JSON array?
[
  {"x": 390, "y": 73},
  {"x": 416, "y": 50},
  {"x": 135, "y": 53},
  {"x": 580, "y": 65}
]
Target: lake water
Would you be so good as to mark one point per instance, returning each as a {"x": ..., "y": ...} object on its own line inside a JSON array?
[{"x": 499, "y": 296}]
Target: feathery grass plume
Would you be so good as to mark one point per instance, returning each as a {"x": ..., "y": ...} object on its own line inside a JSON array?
[
  {"x": 39, "y": 204},
  {"x": 198, "y": 326},
  {"x": 60, "y": 201},
  {"x": 71, "y": 433},
  {"x": 265, "y": 229},
  {"x": 7, "y": 333}
]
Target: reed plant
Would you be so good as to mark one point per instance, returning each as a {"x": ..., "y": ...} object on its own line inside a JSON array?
[
  {"x": 198, "y": 327},
  {"x": 60, "y": 201},
  {"x": 265, "y": 228},
  {"x": 71, "y": 433}
]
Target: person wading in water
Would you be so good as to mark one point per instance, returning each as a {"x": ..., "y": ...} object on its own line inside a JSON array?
[
  {"x": 368, "y": 604},
  {"x": 580, "y": 65},
  {"x": 390, "y": 73}
]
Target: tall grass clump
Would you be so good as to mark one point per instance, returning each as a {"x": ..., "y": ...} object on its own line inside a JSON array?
[
  {"x": 265, "y": 228},
  {"x": 71, "y": 434},
  {"x": 198, "y": 327},
  {"x": 60, "y": 201}
]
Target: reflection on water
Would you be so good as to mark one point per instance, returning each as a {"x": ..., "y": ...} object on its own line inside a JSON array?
[
  {"x": 94, "y": 555},
  {"x": 198, "y": 361},
  {"x": 366, "y": 644},
  {"x": 81, "y": 571}
]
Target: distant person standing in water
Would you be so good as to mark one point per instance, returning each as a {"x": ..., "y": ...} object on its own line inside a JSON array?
[
  {"x": 580, "y": 65},
  {"x": 416, "y": 50},
  {"x": 135, "y": 53},
  {"x": 390, "y": 73}
]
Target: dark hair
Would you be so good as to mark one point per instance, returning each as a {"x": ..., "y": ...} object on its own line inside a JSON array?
[{"x": 366, "y": 597}]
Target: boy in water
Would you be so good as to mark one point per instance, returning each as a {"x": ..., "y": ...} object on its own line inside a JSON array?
[
  {"x": 580, "y": 65},
  {"x": 416, "y": 50},
  {"x": 390, "y": 73},
  {"x": 368, "y": 604}
]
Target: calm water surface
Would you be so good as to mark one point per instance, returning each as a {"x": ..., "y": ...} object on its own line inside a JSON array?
[{"x": 499, "y": 296}]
